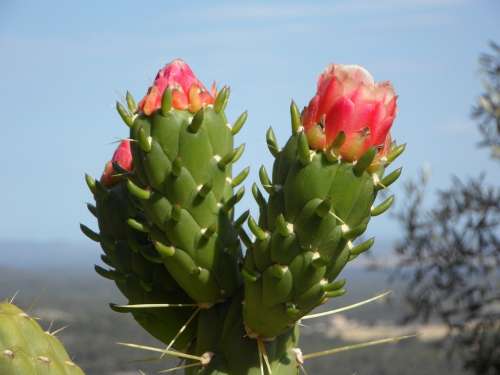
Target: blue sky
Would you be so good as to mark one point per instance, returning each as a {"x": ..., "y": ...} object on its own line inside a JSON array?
[{"x": 64, "y": 64}]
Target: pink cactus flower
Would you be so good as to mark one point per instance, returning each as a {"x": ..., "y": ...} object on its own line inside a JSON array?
[
  {"x": 349, "y": 100},
  {"x": 123, "y": 157},
  {"x": 187, "y": 91}
]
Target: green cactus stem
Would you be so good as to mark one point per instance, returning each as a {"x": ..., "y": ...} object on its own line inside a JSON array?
[{"x": 25, "y": 348}]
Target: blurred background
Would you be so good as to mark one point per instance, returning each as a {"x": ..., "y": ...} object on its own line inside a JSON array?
[{"x": 64, "y": 65}]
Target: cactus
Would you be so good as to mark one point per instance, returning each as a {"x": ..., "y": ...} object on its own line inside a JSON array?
[
  {"x": 165, "y": 209},
  {"x": 25, "y": 348},
  {"x": 136, "y": 268},
  {"x": 321, "y": 195}
]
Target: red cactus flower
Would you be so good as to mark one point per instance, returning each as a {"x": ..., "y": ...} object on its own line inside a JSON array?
[
  {"x": 123, "y": 157},
  {"x": 348, "y": 100},
  {"x": 187, "y": 91}
]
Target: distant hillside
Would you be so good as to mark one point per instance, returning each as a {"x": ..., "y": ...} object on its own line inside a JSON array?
[
  {"x": 83, "y": 255},
  {"x": 44, "y": 255}
]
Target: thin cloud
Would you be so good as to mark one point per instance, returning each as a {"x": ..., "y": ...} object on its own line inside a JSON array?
[{"x": 230, "y": 11}]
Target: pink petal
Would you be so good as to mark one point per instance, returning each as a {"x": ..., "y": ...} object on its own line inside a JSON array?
[
  {"x": 331, "y": 92},
  {"x": 310, "y": 113},
  {"x": 380, "y": 131},
  {"x": 338, "y": 118}
]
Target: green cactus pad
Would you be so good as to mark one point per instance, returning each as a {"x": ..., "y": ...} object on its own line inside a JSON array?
[
  {"x": 317, "y": 206},
  {"x": 183, "y": 184},
  {"x": 136, "y": 267},
  {"x": 25, "y": 349}
]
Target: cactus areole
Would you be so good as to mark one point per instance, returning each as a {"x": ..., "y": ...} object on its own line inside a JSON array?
[{"x": 227, "y": 292}]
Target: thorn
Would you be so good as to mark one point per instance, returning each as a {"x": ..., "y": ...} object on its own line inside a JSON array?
[
  {"x": 335, "y": 293},
  {"x": 166, "y": 102},
  {"x": 204, "y": 189},
  {"x": 134, "y": 224},
  {"x": 382, "y": 207},
  {"x": 92, "y": 209},
  {"x": 131, "y": 104},
  {"x": 173, "y": 369},
  {"x": 197, "y": 121},
  {"x": 90, "y": 233},
  {"x": 334, "y": 285},
  {"x": 272, "y": 144},
  {"x": 364, "y": 162},
  {"x": 389, "y": 179},
  {"x": 303, "y": 150},
  {"x": 238, "y": 124},
  {"x": 181, "y": 330},
  {"x": 154, "y": 305},
  {"x": 165, "y": 352},
  {"x": 241, "y": 219},
  {"x": 231, "y": 157},
  {"x": 394, "y": 153},
  {"x": 346, "y": 308},
  {"x": 90, "y": 183},
  {"x": 11, "y": 301},
  {"x": 138, "y": 192},
  {"x": 295, "y": 114},
  {"x": 126, "y": 117},
  {"x": 59, "y": 330},
  {"x": 259, "y": 198},
  {"x": 107, "y": 274},
  {"x": 349, "y": 233},
  {"x": 164, "y": 250},
  {"x": 361, "y": 248},
  {"x": 235, "y": 198},
  {"x": 265, "y": 180},
  {"x": 260, "y": 233},
  {"x": 221, "y": 99},
  {"x": 357, "y": 346},
  {"x": 240, "y": 177}
]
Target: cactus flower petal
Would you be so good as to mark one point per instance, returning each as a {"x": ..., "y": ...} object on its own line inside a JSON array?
[
  {"x": 187, "y": 91},
  {"x": 349, "y": 100}
]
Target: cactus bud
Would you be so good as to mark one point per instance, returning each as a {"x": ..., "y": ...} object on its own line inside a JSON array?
[
  {"x": 348, "y": 100},
  {"x": 187, "y": 91},
  {"x": 123, "y": 158}
]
